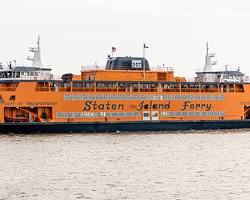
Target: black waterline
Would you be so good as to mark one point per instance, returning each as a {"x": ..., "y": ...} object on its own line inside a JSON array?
[{"x": 90, "y": 127}]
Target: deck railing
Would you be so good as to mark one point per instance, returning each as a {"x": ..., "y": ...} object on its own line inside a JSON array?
[
  {"x": 8, "y": 88},
  {"x": 220, "y": 88}
]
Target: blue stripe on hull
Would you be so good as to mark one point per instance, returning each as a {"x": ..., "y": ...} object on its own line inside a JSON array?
[{"x": 121, "y": 126}]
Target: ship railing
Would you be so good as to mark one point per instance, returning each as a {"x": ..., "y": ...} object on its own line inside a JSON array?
[
  {"x": 106, "y": 89},
  {"x": 210, "y": 90},
  {"x": 196, "y": 90},
  {"x": 92, "y": 68},
  {"x": 40, "y": 89},
  {"x": 64, "y": 89},
  {"x": 53, "y": 89},
  {"x": 35, "y": 78},
  {"x": 77, "y": 89},
  {"x": 162, "y": 68},
  {"x": 121, "y": 89},
  {"x": 153, "y": 68},
  {"x": 148, "y": 89},
  {"x": 192, "y": 90},
  {"x": 171, "y": 90},
  {"x": 82, "y": 89},
  {"x": 139, "y": 87},
  {"x": 7, "y": 88},
  {"x": 239, "y": 90},
  {"x": 220, "y": 69}
]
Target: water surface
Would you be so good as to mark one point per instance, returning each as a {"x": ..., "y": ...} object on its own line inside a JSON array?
[{"x": 188, "y": 165}]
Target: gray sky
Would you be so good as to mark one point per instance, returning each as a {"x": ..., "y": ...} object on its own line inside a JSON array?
[{"x": 82, "y": 32}]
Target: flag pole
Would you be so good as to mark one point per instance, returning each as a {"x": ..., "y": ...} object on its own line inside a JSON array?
[
  {"x": 113, "y": 50},
  {"x": 144, "y": 62}
]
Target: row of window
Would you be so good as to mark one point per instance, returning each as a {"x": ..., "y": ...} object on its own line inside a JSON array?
[
  {"x": 22, "y": 74},
  {"x": 95, "y": 114},
  {"x": 147, "y": 85},
  {"x": 77, "y": 97},
  {"x": 137, "y": 114},
  {"x": 193, "y": 114}
]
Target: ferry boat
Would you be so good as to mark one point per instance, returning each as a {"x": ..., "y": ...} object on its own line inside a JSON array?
[{"x": 127, "y": 95}]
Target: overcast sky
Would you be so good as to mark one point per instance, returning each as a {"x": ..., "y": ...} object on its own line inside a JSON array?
[{"x": 81, "y": 32}]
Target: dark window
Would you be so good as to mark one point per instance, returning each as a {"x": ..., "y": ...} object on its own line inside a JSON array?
[{"x": 12, "y": 98}]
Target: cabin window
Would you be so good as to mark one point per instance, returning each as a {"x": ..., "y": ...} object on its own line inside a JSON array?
[
  {"x": 18, "y": 75},
  {"x": 12, "y": 98},
  {"x": 77, "y": 85},
  {"x": 203, "y": 86},
  {"x": 134, "y": 87},
  {"x": 100, "y": 85},
  {"x": 224, "y": 88},
  {"x": 137, "y": 64},
  {"x": 144, "y": 85},
  {"x": 239, "y": 88},
  {"x": 106, "y": 86},
  {"x": 89, "y": 85},
  {"x": 109, "y": 64},
  {"x": 111, "y": 85},
  {"x": 195, "y": 86},
  {"x": 153, "y": 85},
  {"x": 31, "y": 73},
  {"x": 66, "y": 84},
  {"x": 122, "y": 85},
  {"x": 173, "y": 87},
  {"x": 126, "y": 63},
  {"x": 166, "y": 86},
  {"x": 231, "y": 88},
  {"x": 1, "y": 99},
  {"x": 185, "y": 87}
]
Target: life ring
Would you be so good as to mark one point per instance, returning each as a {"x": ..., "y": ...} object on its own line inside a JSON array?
[{"x": 35, "y": 78}]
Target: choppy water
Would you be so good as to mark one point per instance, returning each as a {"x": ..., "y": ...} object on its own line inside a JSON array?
[{"x": 191, "y": 165}]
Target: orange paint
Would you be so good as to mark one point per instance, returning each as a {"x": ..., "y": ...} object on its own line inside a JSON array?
[{"x": 96, "y": 96}]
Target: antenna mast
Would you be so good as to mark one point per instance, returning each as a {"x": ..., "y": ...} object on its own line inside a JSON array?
[
  {"x": 36, "y": 59},
  {"x": 208, "y": 60}
]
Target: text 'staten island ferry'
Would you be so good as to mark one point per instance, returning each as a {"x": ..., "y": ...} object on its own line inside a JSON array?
[{"x": 125, "y": 96}]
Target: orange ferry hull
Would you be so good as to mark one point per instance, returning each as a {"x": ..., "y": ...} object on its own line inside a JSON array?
[
  {"x": 46, "y": 110},
  {"x": 102, "y": 127}
]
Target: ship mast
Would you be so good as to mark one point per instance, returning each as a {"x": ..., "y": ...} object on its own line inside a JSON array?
[
  {"x": 36, "y": 60},
  {"x": 208, "y": 62}
]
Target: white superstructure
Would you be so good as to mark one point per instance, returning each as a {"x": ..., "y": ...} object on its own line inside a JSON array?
[
  {"x": 37, "y": 71},
  {"x": 212, "y": 74}
]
